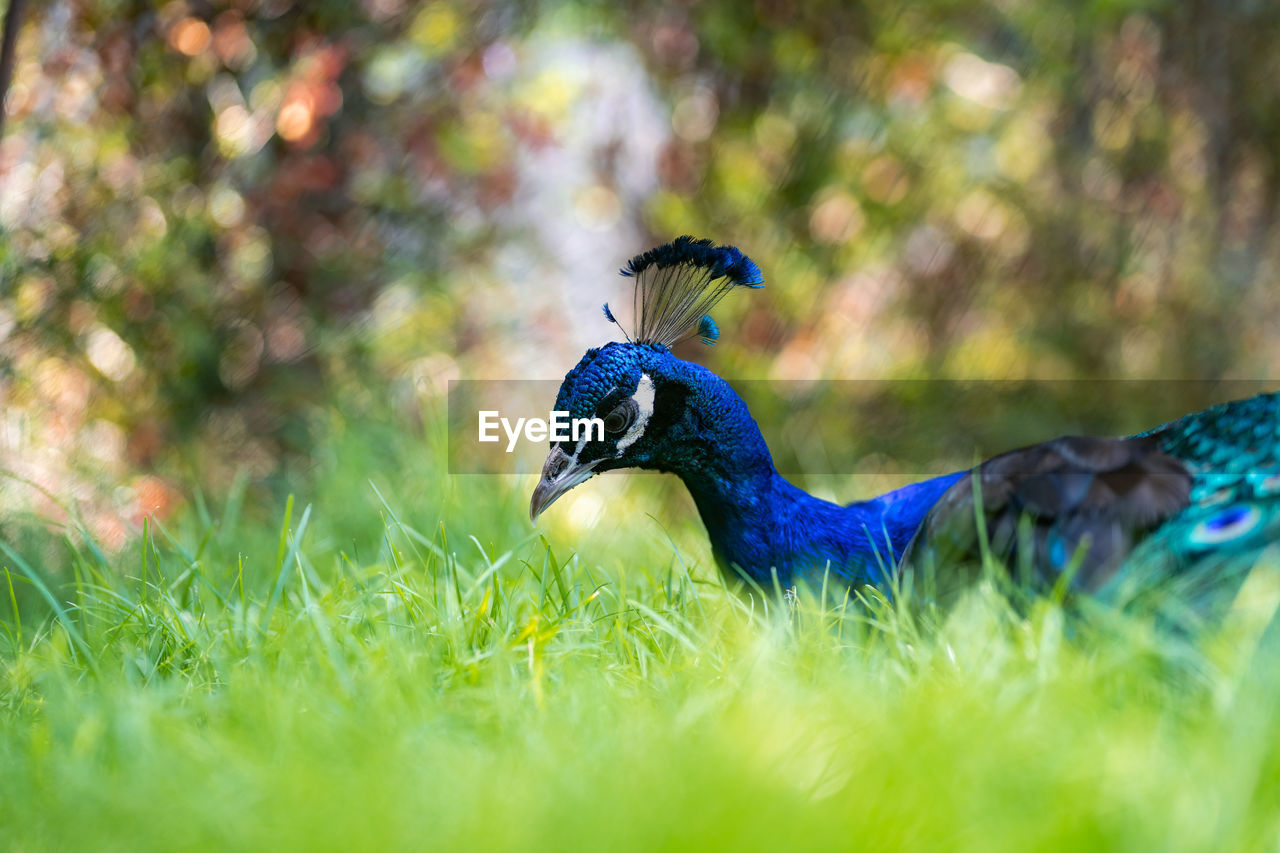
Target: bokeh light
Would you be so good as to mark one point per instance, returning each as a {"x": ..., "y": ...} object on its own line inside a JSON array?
[{"x": 217, "y": 220}]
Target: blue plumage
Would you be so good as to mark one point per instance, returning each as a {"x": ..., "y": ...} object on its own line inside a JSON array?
[
  {"x": 696, "y": 427},
  {"x": 716, "y": 261},
  {"x": 1195, "y": 500},
  {"x": 708, "y": 331}
]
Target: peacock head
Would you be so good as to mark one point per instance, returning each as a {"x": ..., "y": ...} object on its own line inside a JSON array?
[{"x": 638, "y": 391}]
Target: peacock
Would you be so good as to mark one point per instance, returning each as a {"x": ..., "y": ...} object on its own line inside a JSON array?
[{"x": 1191, "y": 503}]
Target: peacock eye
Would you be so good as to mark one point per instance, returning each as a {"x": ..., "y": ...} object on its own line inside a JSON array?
[{"x": 620, "y": 418}]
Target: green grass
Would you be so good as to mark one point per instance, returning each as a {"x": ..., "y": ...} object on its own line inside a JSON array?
[{"x": 362, "y": 674}]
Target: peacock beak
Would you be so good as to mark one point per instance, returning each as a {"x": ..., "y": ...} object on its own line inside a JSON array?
[{"x": 560, "y": 473}]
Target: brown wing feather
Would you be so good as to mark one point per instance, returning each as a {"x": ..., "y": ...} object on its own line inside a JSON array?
[{"x": 1101, "y": 495}]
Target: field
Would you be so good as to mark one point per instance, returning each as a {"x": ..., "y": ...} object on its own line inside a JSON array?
[{"x": 402, "y": 663}]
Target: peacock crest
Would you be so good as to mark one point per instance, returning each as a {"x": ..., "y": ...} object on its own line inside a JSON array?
[{"x": 677, "y": 284}]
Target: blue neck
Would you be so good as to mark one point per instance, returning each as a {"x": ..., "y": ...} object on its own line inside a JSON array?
[
  {"x": 759, "y": 523},
  {"x": 765, "y": 523}
]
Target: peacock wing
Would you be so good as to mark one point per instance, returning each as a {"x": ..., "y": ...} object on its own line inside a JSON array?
[{"x": 1075, "y": 502}]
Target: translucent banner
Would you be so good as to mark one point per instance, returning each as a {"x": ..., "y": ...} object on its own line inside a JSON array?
[{"x": 844, "y": 427}]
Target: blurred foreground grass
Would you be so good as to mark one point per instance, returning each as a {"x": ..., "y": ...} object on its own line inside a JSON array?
[{"x": 361, "y": 673}]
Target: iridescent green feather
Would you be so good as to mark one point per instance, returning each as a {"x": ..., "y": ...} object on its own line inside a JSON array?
[{"x": 1232, "y": 523}]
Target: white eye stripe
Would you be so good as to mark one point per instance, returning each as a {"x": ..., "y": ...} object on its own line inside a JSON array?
[{"x": 644, "y": 396}]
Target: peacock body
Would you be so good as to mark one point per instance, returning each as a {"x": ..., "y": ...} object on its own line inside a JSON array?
[{"x": 1194, "y": 503}]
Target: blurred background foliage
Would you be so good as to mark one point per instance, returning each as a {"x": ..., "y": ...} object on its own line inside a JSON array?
[{"x": 236, "y": 233}]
